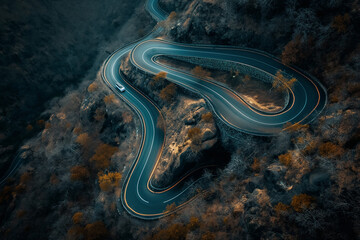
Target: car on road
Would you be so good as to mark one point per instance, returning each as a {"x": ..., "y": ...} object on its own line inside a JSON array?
[{"x": 120, "y": 87}]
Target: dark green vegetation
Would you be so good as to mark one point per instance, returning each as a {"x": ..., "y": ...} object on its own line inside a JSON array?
[{"x": 47, "y": 47}]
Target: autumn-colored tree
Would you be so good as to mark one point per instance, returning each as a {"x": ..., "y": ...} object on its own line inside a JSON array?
[
  {"x": 127, "y": 117},
  {"x": 255, "y": 166},
  {"x": 25, "y": 177},
  {"x": 109, "y": 99},
  {"x": 207, "y": 117},
  {"x": 75, "y": 233},
  {"x": 161, "y": 124},
  {"x": 330, "y": 150},
  {"x": 208, "y": 236},
  {"x": 77, "y": 130},
  {"x": 341, "y": 22},
  {"x": 158, "y": 80},
  {"x": 20, "y": 213},
  {"x": 246, "y": 78},
  {"x": 92, "y": 87},
  {"x": 286, "y": 158},
  {"x": 29, "y": 128},
  {"x": 301, "y": 202},
  {"x": 281, "y": 208},
  {"x": 109, "y": 181},
  {"x": 281, "y": 83},
  {"x": 78, "y": 217},
  {"x": 102, "y": 155},
  {"x": 96, "y": 231},
  {"x": 170, "y": 208},
  {"x": 200, "y": 72},
  {"x": 193, "y": 224},
  {"x": 99, "y": 114},
  {"x": 79, "y": 173},
  {"x": 53, "y": 179},
  {"x": 40, "y": 123},
  {"x": 175, "y": 231},
  {"x": 168, "y": 92},
  {"x": 194, "y": 132},
  {"x": 172, "y": 15},
  {"x": 83, "y": 139},
  {"x": 5, "y": 194},
  {"x": 291, "y": 51}
]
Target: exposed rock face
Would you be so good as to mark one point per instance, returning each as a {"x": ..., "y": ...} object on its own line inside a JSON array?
[{"x": 182, "y": 154}]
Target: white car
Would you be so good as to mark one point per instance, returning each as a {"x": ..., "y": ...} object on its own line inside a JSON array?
[{"x": 120, "y": 87}]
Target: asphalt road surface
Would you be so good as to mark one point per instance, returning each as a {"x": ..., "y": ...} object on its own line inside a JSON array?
[{"x": 306, "y": 100}]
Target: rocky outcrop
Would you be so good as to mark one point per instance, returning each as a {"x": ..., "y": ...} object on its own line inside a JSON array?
[{"x": 184, "y": 154}]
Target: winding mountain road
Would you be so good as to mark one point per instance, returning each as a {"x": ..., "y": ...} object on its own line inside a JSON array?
[{"x": 307, "y": 99}]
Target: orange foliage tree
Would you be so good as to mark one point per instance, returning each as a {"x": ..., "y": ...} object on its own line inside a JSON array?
[
  {"x": 109, "y": 99},
  {"x": 200, "y": 72},
  {"x": 96, "y": 231},
  {"x": 341, "y": 22},
  {"x": 255, "y": 166},
  {"x": 102, "y": 155},
  {"x": 286, "y": 158},
  {"x": 281, "y": 208},
  {"x": 168, "y": 92},
  {"x": 194, "y": 132},
  {"x": 78, "y": 217},
  {"x": 208, "y": 236},
  {"x": 75, "y": 233},
  {"x": 301, "y": 202},
  {"x": 99, "y": 114},
  {"x": 92, "y": 87},
  {"x": 281, "y": 83},
  {"x": 109, "y": 181},
  {"x": 83, "y": 139},
  {"x": 291, "y": 51},
  {"x": 79, "y": 173},
  {"x": 207, "y": 117},
  {"x": 193, "y": 224},
  {"x": 29, "y": 128},
  {"x": 175, "y": 231},
  {"x": 330, "y": 150},
  {"x": 158, "y": 79}
]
